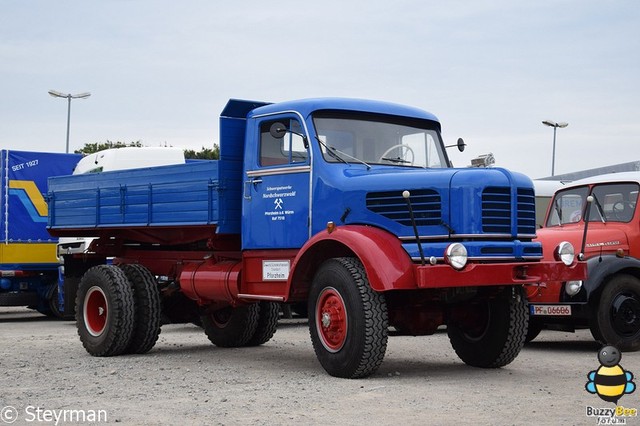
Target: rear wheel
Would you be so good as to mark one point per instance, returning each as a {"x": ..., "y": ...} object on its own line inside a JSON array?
[
  {"x": 347, "y": 319},
  {"x": 105, "y": 311},
  {"x": 54, "y": 303},
  {"x": 267, "y": 323},
  {"x": 617, "y": 319},
  {"x": 495, "y": 334},
  {"x": 147, "y": 308},
  {"x": 231, "y": 327}
]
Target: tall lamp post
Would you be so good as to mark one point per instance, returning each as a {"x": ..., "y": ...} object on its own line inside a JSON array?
[
  {"x": 555, "y": 127},
  {"x": 69, "y": 96}
]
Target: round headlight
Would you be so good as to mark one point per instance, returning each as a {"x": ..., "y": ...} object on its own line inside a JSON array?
[
  {"x": 456, "y": 256},
  {"x": 572, "y": 287},
  {"x": 565, "y": 253}
]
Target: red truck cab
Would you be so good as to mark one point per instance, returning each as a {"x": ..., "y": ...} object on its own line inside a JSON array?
[{"x": 608, "y": 301}]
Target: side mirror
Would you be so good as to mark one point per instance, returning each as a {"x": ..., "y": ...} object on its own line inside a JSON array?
[
  {"x": 460, "y": 145},
  {"x": 278, "y": 130}
]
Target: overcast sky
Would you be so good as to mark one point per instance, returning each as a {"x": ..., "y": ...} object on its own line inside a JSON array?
[{"x": 161, "y": 71}]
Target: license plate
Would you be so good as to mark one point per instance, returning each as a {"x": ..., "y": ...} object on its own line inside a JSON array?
[{"x": 550, "y": 310}]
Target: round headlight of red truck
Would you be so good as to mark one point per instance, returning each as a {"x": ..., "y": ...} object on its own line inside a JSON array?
[
  {"x": 456, "y": 256},
  {"x": 572, "y": 287},
  {"x": 565, "y": 253}
]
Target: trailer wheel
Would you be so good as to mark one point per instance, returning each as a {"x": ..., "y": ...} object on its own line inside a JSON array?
[
  {"x": 231, "y": 327},
  {"x": 146, "y": 298},
  {"x": 347, "y": 320},
  {"x": 617, "y": 319},
  {"x": 267, "y": 323},
  {"x": 496, "y": 333},
  {"x": 19, "y": 299},
  {"x": 105, "y": 311}
]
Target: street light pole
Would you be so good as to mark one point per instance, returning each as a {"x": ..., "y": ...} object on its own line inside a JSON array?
[
  {"x": 555, "y": 127},
  {"x": 69, "y": 96}
]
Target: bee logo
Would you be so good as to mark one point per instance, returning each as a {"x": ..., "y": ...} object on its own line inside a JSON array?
[{"x": 610, "y": 381}]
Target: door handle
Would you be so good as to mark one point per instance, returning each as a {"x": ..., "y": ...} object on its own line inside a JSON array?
[{"x": 247, "y": 184}]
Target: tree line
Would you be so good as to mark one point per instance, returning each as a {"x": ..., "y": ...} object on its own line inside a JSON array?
[{"x": 203, "y": 154}]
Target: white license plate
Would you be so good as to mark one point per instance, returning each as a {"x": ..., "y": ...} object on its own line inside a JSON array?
[{"x": 550, "y": 310}]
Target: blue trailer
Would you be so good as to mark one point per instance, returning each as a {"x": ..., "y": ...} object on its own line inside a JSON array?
[
  {"x": 349, "y": 206},
  {"x": 28, "y": 262}
]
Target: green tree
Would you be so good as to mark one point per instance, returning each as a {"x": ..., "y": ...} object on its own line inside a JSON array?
[
  {"x": 204, "y": 153},
  {"x": 90, "y": 148}
]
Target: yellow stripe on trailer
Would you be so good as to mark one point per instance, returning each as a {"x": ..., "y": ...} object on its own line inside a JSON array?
[
  {"x": 28, "y": 253},
  {"x": 33, "y": 193}
]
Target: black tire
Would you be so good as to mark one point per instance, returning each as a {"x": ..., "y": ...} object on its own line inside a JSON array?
[
  {"x": 231, "y": 327},
  {"x": 500, "y": 334},
  {"x": 348, "y": 321},
  {"x": 532, "y": 331},
  {"x": 617, "y": 320},
  {"x": 52, "y": 308},
  {"x": 19, "y": 299},
  {"x": 105, "y": 311},
  {"x": 146, "y": 298},
  {"x": 267, "y": 323}
]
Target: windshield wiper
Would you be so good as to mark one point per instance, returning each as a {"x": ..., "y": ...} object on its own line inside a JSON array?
[
  {"x": 336, "y": 153},
  {"x": 599, "y": 208},
  {"x": 558, "y": 209},
  {"x": 396, "y": 160}
]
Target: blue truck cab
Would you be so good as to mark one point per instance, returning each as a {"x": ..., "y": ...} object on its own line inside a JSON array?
[{"x": 350, "y": 206}]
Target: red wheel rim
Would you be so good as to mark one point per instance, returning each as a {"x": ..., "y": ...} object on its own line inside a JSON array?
[
  {"x": 331, "y": 319},
  {"x": 95, "y": 311}
]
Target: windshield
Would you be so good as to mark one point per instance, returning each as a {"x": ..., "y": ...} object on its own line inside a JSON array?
[
  {"x": 612, "y": 202},
  {"x": 375, "y": 139}
]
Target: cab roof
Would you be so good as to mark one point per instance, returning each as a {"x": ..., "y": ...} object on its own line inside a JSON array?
[{"x": 241, "y": 108}]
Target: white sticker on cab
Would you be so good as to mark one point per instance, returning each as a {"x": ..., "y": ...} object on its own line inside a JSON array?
[{"x": 275, "y": 270}]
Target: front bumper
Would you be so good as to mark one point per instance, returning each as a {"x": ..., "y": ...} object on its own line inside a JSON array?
[{"x": 491, "y": 274}]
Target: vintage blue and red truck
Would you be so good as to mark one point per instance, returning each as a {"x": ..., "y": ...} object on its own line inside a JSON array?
[
  {"x": 601, "y": 214},
  {"x": 351, "y": 206},
  {"x": 28, "y": 263}
]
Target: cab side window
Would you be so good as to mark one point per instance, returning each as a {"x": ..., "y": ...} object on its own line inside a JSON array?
[{"x": 281, "y": 151}]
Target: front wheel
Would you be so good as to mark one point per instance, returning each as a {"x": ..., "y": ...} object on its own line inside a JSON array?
[
  {"x": 105, "y": 311},
  {"x": 493, "y": 331},
  {"x": 347, "y": 320},
  {"x": 617, "y": 320}
]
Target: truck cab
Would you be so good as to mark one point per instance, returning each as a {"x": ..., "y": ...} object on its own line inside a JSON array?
[{"x": 608, "y": 301}]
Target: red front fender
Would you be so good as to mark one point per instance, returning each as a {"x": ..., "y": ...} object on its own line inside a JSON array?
[{"x": 387, "y": 264}]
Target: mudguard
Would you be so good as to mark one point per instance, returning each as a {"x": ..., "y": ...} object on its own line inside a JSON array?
[
  {"x": 386, "y": 263},
  {"x": 601, "y": 267}
]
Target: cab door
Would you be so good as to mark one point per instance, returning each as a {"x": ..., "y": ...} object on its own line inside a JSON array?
[{"x": 276, "y": 198}]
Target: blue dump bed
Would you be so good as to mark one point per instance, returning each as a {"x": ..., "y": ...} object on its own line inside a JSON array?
[{"x": 188, "y": 194}]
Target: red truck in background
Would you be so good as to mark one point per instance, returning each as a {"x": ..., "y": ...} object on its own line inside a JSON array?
[{"x": 608, "y": 301}]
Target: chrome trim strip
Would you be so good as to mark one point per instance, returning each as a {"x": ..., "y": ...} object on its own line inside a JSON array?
[
  {"x": 278, "y": 171},
  {"x": 261, "y": 297},
  {"x": 441, "y": 259},
  {"x": 478, "y": 236}
]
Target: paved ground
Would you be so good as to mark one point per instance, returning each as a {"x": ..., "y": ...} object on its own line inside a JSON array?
[{"x": 45, "y": 372}]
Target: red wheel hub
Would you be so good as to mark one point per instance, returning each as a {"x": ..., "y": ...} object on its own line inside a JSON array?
[
  {"x": 331, "y": 319},
  {"x": 95, "y": 311}
]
